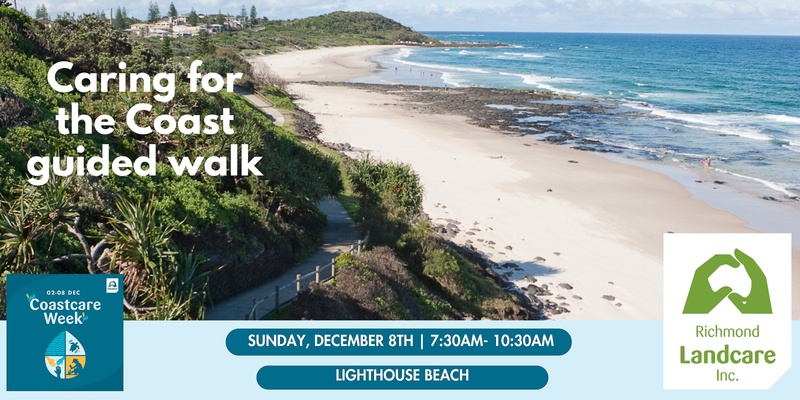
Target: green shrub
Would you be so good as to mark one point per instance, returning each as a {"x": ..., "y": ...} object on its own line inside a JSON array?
[
  {"x": 345, "y": 260},
  {"x": 440, "y": 264},
  {"x": 392, "y": 184},
  {"x": 219, "y": 65},
  {"x": 279, "y": 98}
]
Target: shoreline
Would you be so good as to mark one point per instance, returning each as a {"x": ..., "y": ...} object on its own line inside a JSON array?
[
  {"x": 510, "y": 121},
  {"x": 502, "y": 117},
  {"x": 331, "y": 64},
  {"x": 569, "y": 219},
  {"x": 742, "y": 197}
]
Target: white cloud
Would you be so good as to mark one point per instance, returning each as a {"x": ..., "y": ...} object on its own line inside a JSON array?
[
  {"x": 673, "y": 16},
  {"x": 669, "y": 16}
]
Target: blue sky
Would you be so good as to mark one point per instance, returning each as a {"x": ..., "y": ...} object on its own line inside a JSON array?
[{"x": 772, "y": 17}]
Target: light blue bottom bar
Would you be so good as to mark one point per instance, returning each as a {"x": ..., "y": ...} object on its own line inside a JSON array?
[{"x": 608, "y": 359}]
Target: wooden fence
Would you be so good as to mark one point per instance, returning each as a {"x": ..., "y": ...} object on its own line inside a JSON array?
[{"x": 287, "y": 293}]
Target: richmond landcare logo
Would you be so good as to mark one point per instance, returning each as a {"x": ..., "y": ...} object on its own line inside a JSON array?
[
  {"x": 702, "y": 298},
  {"x": 727, "y": 310}
]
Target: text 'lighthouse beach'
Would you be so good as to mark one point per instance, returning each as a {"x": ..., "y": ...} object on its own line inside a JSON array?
[{"x": 583, "y": 226}]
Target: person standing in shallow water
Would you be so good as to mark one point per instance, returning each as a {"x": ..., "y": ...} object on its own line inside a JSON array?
[{"x": 707, "y": 162}]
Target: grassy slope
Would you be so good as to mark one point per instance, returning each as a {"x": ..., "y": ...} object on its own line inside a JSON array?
[{"x": 215, "y": 214}]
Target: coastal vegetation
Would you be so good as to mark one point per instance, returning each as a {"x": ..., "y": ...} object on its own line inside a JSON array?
[
  {"x": 184, "y": 241},
  {"x": 409, "y": 271},
  {"x": 338, "y": 28},
  {"x": 169, "y": 234}
]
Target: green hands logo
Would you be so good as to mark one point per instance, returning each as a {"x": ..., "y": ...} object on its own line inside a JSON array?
[{"x": 702, "y": 298}]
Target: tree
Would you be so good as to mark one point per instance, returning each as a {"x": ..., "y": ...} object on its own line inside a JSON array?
[
  {"x": 25, "y": 11},
  {"x": 5, "y": 3},
  {"x": 31, "y": 216},
  {"x": 41, "y": 12},
  {"x": 243, "y": 13},
  {"x": 121, "y": 19},
  {"x": 220, "y": 20},
  {"x": 166, "y": 48},
  {"x": 89, "y": 42},
  {"x": 161, "y": 282},
  {"x": 192, "y": 19},
  {"x": 203, "y": 45},
  {"x": 253, "y": 14},
  {"x": 119, "y": 23},
  {"x": 153, "y": 14},
  {"x": 173, "y": 12}
]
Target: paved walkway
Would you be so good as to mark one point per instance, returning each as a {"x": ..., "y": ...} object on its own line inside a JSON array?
[
  {"x": 339, "y": 235},
  {"x": 262, "y": 104}
]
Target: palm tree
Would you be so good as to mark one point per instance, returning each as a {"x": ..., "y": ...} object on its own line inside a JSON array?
[{"x": 160, "y": 281}]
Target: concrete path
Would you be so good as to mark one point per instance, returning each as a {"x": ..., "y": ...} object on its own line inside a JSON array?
[
  {"x": 262, "y": 104},
  {"x": 339, "y": 235}
]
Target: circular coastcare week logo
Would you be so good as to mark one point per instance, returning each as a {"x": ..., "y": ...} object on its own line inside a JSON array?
[{"x": 65, "y": 356}]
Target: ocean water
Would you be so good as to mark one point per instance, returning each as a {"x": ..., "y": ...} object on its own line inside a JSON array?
[{"x": 675, "y": 98}]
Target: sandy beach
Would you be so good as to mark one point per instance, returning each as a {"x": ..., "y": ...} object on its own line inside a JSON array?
[
  {"x": 325, "y": 64},
  {"x": 587, "y": 226}
]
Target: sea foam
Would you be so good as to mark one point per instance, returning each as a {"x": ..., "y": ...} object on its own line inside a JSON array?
[
  {"x": 539, "y": 81},
  {"x": 786, "y": 119},
  {"x": 730, "y": 125},
  {"x": 440, "y": 66},
  {"x": 524, "y": 55}
]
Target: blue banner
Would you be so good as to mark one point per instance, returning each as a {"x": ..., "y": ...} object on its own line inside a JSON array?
[
  {"x": 398, "y": 342},
  {"x": 402, "y": 377}
]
